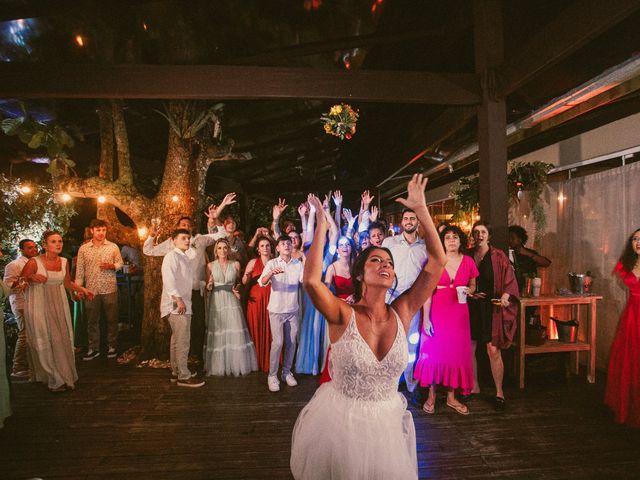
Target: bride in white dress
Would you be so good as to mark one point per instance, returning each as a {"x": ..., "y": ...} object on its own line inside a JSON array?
[{"x": 357, "y": 426}]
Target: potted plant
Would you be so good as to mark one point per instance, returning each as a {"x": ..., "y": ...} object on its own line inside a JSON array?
[{"x": 532, "y": 178}]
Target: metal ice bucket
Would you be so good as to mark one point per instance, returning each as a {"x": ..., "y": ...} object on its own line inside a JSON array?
[{"x": 576, "y": 280}]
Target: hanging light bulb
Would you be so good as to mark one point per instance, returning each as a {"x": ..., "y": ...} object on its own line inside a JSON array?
[{"x": 79, "y": 40}]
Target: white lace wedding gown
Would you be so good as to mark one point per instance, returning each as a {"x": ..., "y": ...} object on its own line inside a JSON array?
[{"x": 357, "y": 426}]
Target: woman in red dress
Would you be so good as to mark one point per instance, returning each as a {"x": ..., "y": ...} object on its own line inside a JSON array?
[
  {"x": 623, "y": 380},
  {"x": 258, "y": 299},
  {"x": 338, "y": 278}
]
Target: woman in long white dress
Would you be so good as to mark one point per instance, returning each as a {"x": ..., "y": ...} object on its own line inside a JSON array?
[
  {"x": 357, "y": 426},
  {"x": 229, "y": 349},
  {"x": 47, "y": 316}
]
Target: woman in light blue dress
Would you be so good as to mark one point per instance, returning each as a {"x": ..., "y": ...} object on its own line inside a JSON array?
[
  {"x": 229, "y": 349},
  {"x": 313, "y": 343}
]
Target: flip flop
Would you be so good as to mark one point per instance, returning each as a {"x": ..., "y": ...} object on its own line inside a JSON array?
[
  {"x": 429, "y": 408},
  {"x": 461, "y": 409}
]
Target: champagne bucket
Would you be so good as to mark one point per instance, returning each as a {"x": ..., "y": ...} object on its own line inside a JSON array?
[{"x": 576, "y": 280}]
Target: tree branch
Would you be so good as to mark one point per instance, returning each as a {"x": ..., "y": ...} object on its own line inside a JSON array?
[
  {"x": 118, "y": 232},
  {"x": 106, "y": 140},
  {"x": 125, "y": 174},
  {"x": 125, "y": 197}
]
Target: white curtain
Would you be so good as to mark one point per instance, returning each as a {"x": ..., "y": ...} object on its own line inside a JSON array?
[{"x": 587, "y": 231}]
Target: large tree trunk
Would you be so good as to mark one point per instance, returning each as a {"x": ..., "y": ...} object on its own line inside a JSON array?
[
  {"x": 175, "y": 199},
  {"x": 181, "y": 188}
]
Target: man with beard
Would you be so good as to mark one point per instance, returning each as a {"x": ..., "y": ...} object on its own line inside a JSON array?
[{"x": 409, "y": 256}]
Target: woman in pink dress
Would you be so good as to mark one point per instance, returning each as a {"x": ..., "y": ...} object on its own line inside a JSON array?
[
  {"x": 445, "y": 349},
  {"x": 257, "y": 314},
  {"x": 623, "y": 380}
]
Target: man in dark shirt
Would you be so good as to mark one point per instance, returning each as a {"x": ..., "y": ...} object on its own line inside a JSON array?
[{"x": 527, "y": 260}]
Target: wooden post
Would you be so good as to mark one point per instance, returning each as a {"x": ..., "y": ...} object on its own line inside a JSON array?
[{"x": 492, "y": 122}]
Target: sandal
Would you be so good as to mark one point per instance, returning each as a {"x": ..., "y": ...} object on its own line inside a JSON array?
[
  {"x": 461, "y": 408},
  {"x": 499, "y": 404},
  {"x": 429, "y": 408},
  {"x": 59, "y": 389}
]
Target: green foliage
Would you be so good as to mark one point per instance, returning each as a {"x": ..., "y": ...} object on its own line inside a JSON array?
[
  {"x": 29, "y": 215},
  {"x": 37, "y": 135},
  {"x": 531, "y": 177},
  {"x": 467, "y": 197}
]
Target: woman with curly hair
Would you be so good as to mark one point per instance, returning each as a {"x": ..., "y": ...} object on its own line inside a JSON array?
[{"x": 623, "y": 380}]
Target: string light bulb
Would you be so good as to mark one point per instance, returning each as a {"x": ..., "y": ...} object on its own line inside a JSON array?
[
  {"x": 25, "y": 189},
  {"x": 561, "y": 197},
  {"x": 101, "y": 199},
  {"x": 175, "y": 198},
  {"x": 79, "y": 40},
  {"x": 65, "y": 197},
  {"x": 142, "y": 232}
]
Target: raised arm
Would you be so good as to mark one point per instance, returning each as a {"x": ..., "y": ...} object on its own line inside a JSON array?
[
  {"x": 311, "y": 222},
  {"x": 334, "y": 232},
  {"x": 334, "y": 310},
  {"x": 350, "y": 219},
  {"x": 337, "y": 200},
  {"x": 410, "y": 301},
  {"x": 276, "y": 212},
  {"x": 303, "y": 211},
  {"x": 215, "y": 212}
]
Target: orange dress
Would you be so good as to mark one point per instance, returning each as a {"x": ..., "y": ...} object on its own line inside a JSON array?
[{"x": 258, "y": 316}]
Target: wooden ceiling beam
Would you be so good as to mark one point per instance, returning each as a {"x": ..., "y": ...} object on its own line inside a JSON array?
[
  {"x": 571, "y": 29},
  {"x": 345, "y": 43},
  {"x": 228, "y": 82}
]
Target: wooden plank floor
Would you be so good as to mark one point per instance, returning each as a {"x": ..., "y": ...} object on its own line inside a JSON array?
[{"x": 126, "y": 422}]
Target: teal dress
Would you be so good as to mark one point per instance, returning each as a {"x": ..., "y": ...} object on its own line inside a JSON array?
[{"x": 229, "y": 349}]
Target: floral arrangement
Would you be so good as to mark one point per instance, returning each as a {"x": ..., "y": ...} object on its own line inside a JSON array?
[{"x": 340, "y": 121}]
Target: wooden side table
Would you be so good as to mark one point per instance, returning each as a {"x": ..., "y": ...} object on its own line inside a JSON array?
[{"x": 587, "y": 345}]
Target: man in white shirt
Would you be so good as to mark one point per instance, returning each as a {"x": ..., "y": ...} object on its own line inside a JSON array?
[
  {"x": 198, "y": 244},
  {"x": 409, "y": 256},
  {"x": 175, "y": 303},
  {"x": 285, "y": 275},
  {"x": 28, "y": 249},
  {"x": 98, "y": 261}
]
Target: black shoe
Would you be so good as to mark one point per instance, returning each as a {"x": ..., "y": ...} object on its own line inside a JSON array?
[{"x": 499, "y": 404}]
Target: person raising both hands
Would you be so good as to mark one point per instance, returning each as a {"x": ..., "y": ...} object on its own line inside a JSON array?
[{"x": 357, "y": 425}]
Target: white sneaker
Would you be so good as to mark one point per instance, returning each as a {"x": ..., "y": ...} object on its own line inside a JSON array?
[
  {"x": 290, "y": 379},
  {"x": 274, "y": 384},
  {"x": 112, "y": 353}
]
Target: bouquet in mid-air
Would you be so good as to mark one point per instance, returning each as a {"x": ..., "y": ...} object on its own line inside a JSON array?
[{"x": 340, "y": 121}]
